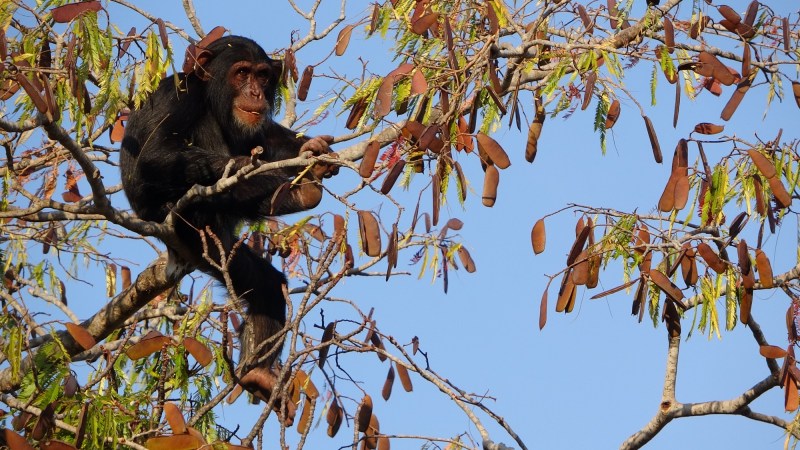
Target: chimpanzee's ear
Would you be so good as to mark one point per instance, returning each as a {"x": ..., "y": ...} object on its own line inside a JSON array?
[{"x": 196, "y": 61}]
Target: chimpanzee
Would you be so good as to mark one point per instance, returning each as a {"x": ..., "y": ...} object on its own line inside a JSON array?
[{"x": 185, "y": 134}]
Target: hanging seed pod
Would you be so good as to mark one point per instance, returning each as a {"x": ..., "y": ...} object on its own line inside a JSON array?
[
  {"x": 368, "y": 161},
  {"x": 370, "y": 233},
  {"x": 762, "y": 163},
  {"x": 496, "y": 154},
  {"x": 689, "y": 265},
  {"x": 490, "y": 181},
  {"x": 538, "y": 237},
  {"x": 711, "y": 258},
  {"x": 764, "y": 268},
  {"x": 669, "y": 34},
  {"x": 613, "y": 114},
  {"x": 364, "y": 413},
  {"x": 391, "y": 178},
  {"x": 708, "y": 128},
  {"x": 305, "y": 83},
  {"x": 343, "y": 40},
  {"x": 736, "y": 98},
  {"x": 588, "y": 89},
  {"x": 651, "y": 133},
  {"x": 466, "y": 259},
  {"x": 729, "y": 14}
]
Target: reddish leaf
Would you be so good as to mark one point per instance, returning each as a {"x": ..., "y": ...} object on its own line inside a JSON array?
[{"x": 66, "y": 13}]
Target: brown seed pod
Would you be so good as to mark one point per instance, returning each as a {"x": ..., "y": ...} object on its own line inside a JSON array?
[
  {"x": 588, "y": 89},
  {"x": 764, "y": 269},
  {"x": 708, "y": 128},
  {"x": 370, "y": 233},
  {"x": 689, "y": 265},
  {"x": 613, "y": 114},
  {"x": 305, "y": 83},
  {"x": 667, "y": 201},
  {"x": 651, "y": 133},
  {"x": 343, "y": 40},
  {"x": 669, "y": 34},
  {"x": 495, "y": 152},
  {"x": 663, "y": 282},
  {"x": 491, "y": 179},
  {"x": 711, "y": 258},
  {"x": 567, "y": 295},
  {"x": 746, "y": 60},
  {"x": 588, "y": 25},
  {"x": 535, "y": 131},
  {"x": 392, "y": 176},
  {"x": 543, "y": 310},
  {"x": 368, "y": 161},
  {"x": 758, "y": 193},
  {"x": 466, "y": 259},
  {"x": 334, "y": 417},
  {"x": 729, "y": 14},
  {"x": 745, "y": 266},
  {"x": 796, "y": 92},
  {"x": 762, "y": 163},
  {"x": 364, "y": 413},
  {"x": 736, "y": 98},
  {"x": 538, "y": 237},
  {"x": 782, "y": 196}
]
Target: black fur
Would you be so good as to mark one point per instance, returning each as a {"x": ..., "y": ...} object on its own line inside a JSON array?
[{"x": 185, "y": 134}]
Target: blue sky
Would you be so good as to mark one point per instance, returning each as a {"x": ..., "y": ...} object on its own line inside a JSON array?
[{"x": 591, "y": 378}]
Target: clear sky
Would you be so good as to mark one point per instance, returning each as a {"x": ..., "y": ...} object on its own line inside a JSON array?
[{"x": 591, "y": 378}]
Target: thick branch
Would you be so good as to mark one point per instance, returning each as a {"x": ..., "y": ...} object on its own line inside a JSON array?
[{"x": 152, "y": 281}]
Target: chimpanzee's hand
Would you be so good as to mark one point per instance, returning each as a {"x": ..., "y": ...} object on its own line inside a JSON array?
[{"x": 318, "y": 146}]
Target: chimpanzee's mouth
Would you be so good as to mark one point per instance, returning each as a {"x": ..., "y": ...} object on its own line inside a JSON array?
[{"x": 253, "y": 113}]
